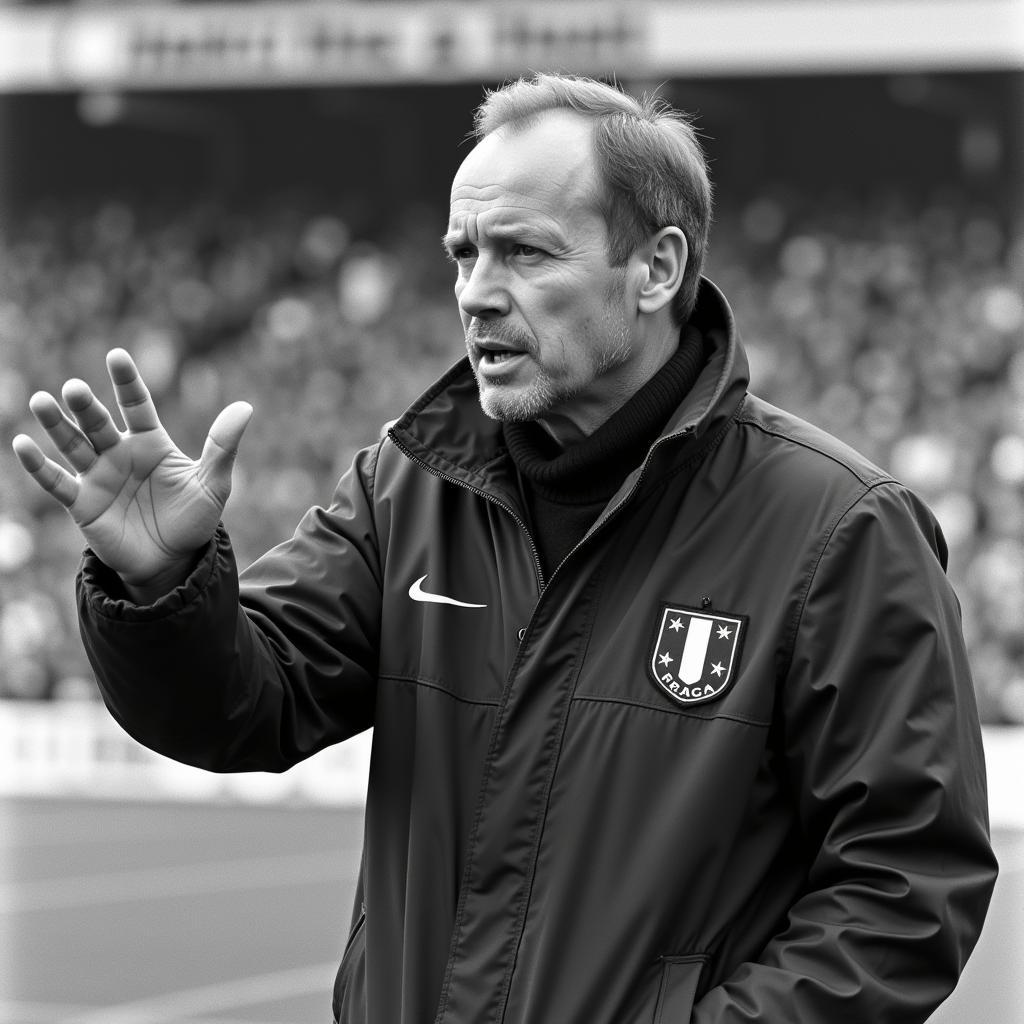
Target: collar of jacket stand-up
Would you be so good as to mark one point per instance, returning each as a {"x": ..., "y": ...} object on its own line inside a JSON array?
[{"x": 449, "y": 433}]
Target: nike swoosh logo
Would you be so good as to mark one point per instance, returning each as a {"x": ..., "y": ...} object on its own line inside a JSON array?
[{"x": 417, "y": 593}]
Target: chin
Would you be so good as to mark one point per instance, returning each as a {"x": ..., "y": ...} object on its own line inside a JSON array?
[{"x": 515, "y": 405}]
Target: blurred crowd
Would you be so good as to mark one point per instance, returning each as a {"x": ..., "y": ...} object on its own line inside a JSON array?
[{"x": 896, "y": 322}]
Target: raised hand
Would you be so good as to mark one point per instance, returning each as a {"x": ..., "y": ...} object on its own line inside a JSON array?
[{"x": 143, "y": 506}]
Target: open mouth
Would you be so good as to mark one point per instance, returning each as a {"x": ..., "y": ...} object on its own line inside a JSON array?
[
  {"x": 498, "y": 355},
  {"x": 495, "y": 357},
  {"x": 498, "y": 348}
]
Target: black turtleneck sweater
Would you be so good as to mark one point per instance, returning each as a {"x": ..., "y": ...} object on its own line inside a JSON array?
[{"x": 565, "y": 489}]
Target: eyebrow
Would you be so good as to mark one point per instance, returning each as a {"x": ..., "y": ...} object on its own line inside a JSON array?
[{"x": 450, "y": 238}]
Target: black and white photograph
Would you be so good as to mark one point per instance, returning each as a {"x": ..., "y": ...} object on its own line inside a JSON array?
[{"x": 511, "y": 512}]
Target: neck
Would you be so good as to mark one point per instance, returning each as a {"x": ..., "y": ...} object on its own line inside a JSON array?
[
  {"x": 566, "y": 488},
  {"x": 600, "y": 460},
  {"x": 581, "y": 416}
]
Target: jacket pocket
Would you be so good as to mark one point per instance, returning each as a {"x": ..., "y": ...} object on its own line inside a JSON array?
[
  {"x": 680, "y": 976},
  {"x": 350, "y": 982}
]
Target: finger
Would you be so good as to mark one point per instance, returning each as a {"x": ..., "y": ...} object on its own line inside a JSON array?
[
  {"x": 133, "y": 397},
  {"x": 222, "y": 443},
  {"x": 65, "y": 435},
  {"x": 51, "y": 478},
  {"x": 92, "y": 416}
]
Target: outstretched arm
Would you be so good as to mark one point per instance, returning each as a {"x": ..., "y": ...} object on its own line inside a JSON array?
[
  {"x": 191, "y": 669},
  {"x": 142, "y": 505}
]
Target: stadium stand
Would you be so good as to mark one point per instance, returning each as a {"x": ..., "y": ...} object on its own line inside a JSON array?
[
  {"x": 894, "y": 321},
  {"x": 892, "y": 312}
]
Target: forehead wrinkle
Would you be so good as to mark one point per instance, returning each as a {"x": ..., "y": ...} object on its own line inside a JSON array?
[
  {"x": 500, "y": 199},
  {"x": 574, "y": 190},
  {"x": 503, "y": 222},
  {"x": 465, "y": 186}
]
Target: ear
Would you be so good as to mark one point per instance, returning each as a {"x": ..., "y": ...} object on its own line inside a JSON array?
[{"x": 664, "y": 257}]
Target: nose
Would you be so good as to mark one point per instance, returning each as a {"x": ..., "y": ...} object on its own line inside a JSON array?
[{"x": 482, "y": 292}]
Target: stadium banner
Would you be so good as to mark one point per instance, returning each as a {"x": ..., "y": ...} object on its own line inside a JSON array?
[
  {"x": 75, "y": 748},
  {"x": 253, "y": 45}
]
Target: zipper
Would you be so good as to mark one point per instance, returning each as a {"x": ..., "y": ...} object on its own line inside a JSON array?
[
  {"x": 486, "y": 768},
  {"x": 492, "y": 498}
]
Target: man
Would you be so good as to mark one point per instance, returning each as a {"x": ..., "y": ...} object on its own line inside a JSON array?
[{"x": 672, "y": 715}]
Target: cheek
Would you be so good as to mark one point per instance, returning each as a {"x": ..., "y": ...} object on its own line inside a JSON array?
[
  {"x": 571, "y": 310},
  {"x": 553, "y": 317}
]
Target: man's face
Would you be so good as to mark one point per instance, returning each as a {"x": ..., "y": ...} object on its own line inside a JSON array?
[{"x": 548, "y": 323}]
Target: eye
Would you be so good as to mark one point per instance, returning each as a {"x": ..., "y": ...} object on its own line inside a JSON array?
[
  {"x": 522, "y": 249},
  {"x": 461, "y": 253}
]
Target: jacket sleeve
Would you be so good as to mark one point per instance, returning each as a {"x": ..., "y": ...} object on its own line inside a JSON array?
[
  {"x": 252, "y": 674},
  {"x": 882, "y": 747}
]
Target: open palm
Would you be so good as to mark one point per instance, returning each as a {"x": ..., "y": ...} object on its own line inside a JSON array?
[{"x": 143, "y": 506}]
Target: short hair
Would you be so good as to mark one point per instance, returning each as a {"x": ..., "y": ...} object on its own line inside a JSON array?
[{"x": 649, "y": 161}]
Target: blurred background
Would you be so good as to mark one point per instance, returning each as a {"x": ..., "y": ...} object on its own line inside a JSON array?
[{"x": 249, "y": 198}]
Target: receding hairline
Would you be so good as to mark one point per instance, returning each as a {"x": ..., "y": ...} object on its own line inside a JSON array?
[
  {"x": 522, "y": 123},
  {"x": 589, "y": 161},
  {"x": 523, "y": 101}
]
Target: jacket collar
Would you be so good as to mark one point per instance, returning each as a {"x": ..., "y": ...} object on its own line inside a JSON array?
[{"x": 448, "y": 432}]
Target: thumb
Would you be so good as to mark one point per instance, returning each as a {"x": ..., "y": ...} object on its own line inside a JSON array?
[{"x": 221, "y": 445}]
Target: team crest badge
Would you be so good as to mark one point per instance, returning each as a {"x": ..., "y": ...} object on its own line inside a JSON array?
[{"x": 696, "y": 654}]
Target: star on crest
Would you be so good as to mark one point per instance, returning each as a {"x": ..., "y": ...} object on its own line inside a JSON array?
[
  {"x": 724, "y": 632},
  {"x": 717, "y": 669},
  {"x": 666, "y": 659},
  {"x": 676, "y": 624}
]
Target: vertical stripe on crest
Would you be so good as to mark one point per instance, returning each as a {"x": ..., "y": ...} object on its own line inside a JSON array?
[{"x": 691, "y": 667}]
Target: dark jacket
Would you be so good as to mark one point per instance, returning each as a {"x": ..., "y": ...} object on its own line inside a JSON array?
[{"x": 723, "y": 766}]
